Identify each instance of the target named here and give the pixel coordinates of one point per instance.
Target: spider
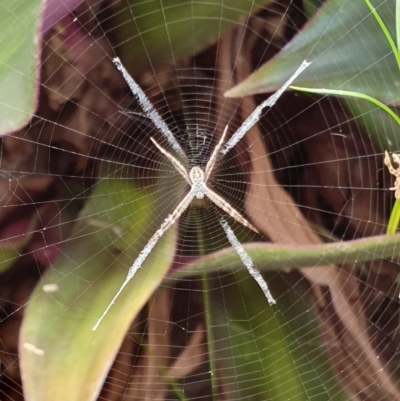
(394, 171)
(197, 179)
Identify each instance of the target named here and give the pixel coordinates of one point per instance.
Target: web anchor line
(197, 178)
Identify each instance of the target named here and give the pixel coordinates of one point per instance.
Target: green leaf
(268, 352)
(61, 357)
(155, 33)
(19, 62)
(348, 51)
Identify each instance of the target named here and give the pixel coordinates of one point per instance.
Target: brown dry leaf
(340, 168)
(192, 356)
(148, 383)
(152, 368)
(120, 373)
(83, 89)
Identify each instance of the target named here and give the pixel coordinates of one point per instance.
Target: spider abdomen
(196, 176)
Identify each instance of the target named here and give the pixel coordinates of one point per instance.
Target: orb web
(83, 189)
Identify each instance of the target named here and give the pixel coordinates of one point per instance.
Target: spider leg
(388, 164)
(148, 108)
(226, 207)
(137, 264)
(213, 158)
(175, 162)
(396, 158)
(247, 261)
(256, 114)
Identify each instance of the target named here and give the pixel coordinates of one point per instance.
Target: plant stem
(207, 314)
(385, 30)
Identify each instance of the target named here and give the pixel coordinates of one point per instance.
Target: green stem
(385, 31)
(394, 218)
(176, 388)
(397, 16)
(352, 94)
(207, 313)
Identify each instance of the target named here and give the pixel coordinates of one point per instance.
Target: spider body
(197, 180)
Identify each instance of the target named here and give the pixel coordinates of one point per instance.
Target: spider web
(83, 189)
